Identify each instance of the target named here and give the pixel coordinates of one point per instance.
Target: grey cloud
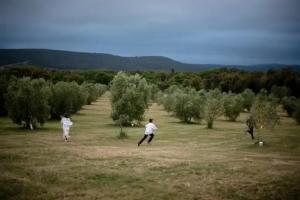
(198, 31)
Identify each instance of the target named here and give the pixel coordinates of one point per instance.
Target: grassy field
(185, 161)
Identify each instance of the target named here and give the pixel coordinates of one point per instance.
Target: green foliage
(296, 114)
(103, 77)
(263, 112)
(192, 80)
(281, 82)
(248, 98)
(67, 98)
(129, 97)
(213, 106)
(93, 92)
(154, 91)
(123, 119)
(168, 101)
(231, 81)
(3, 90)
(73, 76)
(168, 98)
(233, 106)
(28, 101)
(31, 71)
(289, 105)
(101, 88)
(280, 91)
(159, 97)
(188, 105)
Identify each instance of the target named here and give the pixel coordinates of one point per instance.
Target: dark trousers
(250, 131)
(145, 136)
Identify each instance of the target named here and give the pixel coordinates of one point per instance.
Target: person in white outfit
(66, 123)
(150, 128)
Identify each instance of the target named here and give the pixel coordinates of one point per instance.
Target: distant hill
(78, 60)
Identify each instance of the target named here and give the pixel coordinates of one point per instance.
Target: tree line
(31, 102)
(191, 96)
(131, 95)
(234, 80)
(190, 105)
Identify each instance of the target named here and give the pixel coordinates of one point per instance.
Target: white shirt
(150, 128)
(66, 122)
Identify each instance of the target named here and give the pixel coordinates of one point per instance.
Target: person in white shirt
(66, 123)
(150, 128)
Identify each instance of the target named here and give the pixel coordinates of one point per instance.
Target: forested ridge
(59, 59)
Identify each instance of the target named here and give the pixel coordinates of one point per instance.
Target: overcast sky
(193, 31)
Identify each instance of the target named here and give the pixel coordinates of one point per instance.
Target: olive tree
(264, 114)
(296, 114)
(188, 105)
(213, 106)
(248, 98)
(233, 106)
(4, 81)
(168, 99)
(160, 97)
(67, 98)
(289, 105)
(101, 88)
(93, 92)
(129, 97)
(27, 102)
(154, 91)
(280, 91)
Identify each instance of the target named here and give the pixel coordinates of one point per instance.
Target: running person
(150, 128)
(66, 124)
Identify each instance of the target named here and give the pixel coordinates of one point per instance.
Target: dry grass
(185, 161)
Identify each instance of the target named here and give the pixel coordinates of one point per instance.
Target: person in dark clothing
(250, 127)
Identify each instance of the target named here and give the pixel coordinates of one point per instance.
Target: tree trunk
(210, 124)
(258, 136)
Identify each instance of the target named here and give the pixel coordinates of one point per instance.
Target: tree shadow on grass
(80, 114)
(185, 123)
(115, 125)
(12, 188)
(21, 130)
(111, 125)
(228, 121)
